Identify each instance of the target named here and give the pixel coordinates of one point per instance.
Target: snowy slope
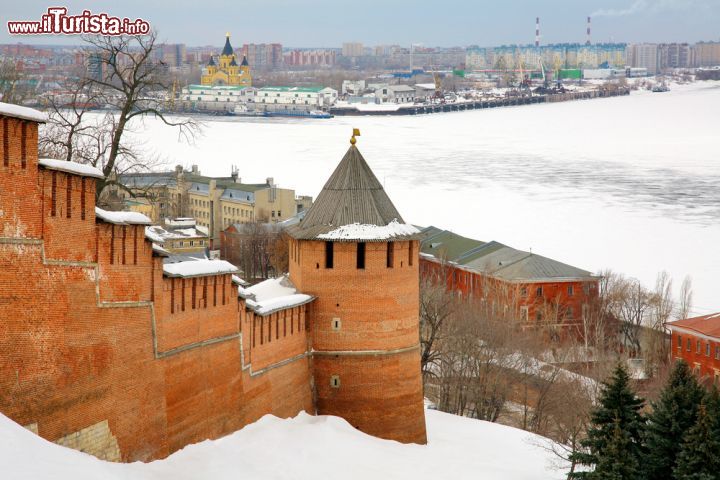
(304, 447)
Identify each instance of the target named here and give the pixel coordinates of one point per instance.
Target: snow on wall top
(122, 218)
(25, 113)
(358, 231)
(272, 295)
(71, 167)
(197, 268)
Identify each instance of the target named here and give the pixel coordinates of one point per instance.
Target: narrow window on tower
(23, 145)
(361, 255)
(328, 254)
(194, 286)
(390, 254)
(68, 197)
(6, 143)
(82, 199)
(182, 294)
(53, 195)
(172, 295)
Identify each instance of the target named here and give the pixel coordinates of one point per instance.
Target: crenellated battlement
(99, 335)
(108, 348)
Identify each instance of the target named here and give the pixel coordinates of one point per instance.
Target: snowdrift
(304, 447)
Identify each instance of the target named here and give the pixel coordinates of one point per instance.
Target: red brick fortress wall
(92, 333)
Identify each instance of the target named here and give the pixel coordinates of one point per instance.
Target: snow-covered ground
(628, 183)
(304, 447)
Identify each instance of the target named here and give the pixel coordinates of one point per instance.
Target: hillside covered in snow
(304, 447)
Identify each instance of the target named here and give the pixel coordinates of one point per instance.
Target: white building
(401, 94)
(215, 98)
(293, 98)
(602, 73)
(353, 87)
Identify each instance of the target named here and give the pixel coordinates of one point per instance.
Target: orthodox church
(227, 71)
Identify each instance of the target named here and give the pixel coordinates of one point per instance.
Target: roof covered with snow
(71, 167)
(355, 200)
(122, 218)
(159, 234)
(273, 295)
(25, 113)
(198, 268)
(357, 231)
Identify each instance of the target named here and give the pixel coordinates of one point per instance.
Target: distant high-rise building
(706, 54)
(643, 55)
(322, 58)
(96, 66)
(353, 49)
(171, 54)
(674, 55)
(263, 56)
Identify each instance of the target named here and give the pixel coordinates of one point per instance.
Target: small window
(538, 316)
(698, 346)
(717, 353)
(390, 254)
(569, 312)
(679, 342)
(524, 314)
(523, 292)
(570, 290)
(688, 344)
(336, 324)
(538, 292)
(361, 255)
(707, 349)
(329, 255)
(335, 381)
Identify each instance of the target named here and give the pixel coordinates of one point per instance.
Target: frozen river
(628, 183)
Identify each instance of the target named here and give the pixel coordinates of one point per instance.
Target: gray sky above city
(325, 23)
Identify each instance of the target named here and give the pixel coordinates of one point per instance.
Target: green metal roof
(292, 89)
(446, 245)
(215, 87)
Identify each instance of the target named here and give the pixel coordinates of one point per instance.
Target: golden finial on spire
(227, 34)
(356, 133)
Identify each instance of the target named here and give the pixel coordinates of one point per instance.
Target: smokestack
(537, 32)
(587, 42)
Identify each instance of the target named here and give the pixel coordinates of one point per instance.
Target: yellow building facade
(227, 71)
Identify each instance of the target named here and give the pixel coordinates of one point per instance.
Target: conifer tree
(613, 447)
(617, 463)
(674, 413)
(699, 457)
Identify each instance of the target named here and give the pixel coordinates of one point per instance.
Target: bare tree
(127, 79)
(686, 298)
(437, 304)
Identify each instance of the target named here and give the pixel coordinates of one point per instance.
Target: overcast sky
(325, 23)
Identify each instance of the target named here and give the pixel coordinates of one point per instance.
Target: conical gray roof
(351, 195)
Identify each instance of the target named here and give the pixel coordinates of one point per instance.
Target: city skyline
(400, 22)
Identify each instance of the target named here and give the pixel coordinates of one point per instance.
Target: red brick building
(697, 341)
(536, 289)
(108, 348)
